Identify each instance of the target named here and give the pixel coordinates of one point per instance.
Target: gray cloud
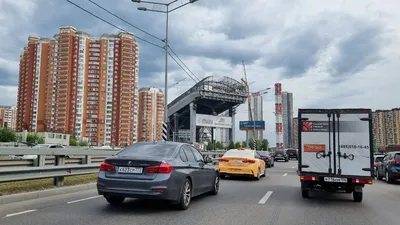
(358, 50)
(297, 52)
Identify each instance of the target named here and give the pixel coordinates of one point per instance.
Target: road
(274, 200)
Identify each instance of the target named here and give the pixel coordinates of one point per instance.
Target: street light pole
(167, 11)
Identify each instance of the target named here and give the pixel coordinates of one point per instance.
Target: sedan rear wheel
(186, 195)
(215, 189)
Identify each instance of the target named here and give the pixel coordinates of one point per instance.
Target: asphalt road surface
(274, 200)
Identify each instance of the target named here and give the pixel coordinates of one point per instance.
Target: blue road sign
(252, 125)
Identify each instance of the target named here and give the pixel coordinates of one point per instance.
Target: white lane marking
(265, 198)
(285, 174)
(84, 199)
(19, 213)
(292, 167)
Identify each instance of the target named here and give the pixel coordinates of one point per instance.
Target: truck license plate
(335, 179)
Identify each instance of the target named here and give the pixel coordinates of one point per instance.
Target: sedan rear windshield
(379, 159)
(263, 153)
(397, 156)
(279, 152)
(239, 153)
(159, 150)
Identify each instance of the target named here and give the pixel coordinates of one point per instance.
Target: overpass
(205, 101)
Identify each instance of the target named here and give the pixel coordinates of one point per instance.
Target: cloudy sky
(327, 53)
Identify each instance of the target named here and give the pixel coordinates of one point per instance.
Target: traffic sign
(252, 125)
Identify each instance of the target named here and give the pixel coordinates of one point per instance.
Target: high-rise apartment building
(386, 127)
(81, 85)
(257, 108)
(287, 117)
(8, 117)
(151, 114)
(295, 133)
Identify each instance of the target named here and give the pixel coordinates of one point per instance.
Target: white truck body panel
(347, 135)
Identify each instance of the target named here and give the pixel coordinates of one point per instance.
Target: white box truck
(335, 150)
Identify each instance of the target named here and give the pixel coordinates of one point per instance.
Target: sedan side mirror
(207, 159)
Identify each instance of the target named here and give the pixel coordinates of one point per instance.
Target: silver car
(157, 170)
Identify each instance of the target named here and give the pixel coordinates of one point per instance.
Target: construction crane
(248, 91)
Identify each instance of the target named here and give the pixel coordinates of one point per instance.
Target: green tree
(237, 145)
(83, 143)
(231, 145)
(7, 135)
(32, 138)
(219, 145)
(210, 146)
(73, 142)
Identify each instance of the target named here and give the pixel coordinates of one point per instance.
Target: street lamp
(166, 11)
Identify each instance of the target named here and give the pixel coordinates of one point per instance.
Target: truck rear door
(316, 141)
(335, 142)
(353, 134)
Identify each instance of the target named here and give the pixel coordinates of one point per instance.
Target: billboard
(252, 125)
(204, 120)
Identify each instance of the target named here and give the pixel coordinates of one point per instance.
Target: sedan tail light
(248, 161)
(162, 168)
(265, 157)
(106, 167)
(395, 161)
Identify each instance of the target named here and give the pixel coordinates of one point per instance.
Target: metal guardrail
(57, 163)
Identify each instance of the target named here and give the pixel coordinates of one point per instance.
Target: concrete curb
(44, 193)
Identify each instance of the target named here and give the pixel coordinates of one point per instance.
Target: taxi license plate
(335, 179)
(131, 170)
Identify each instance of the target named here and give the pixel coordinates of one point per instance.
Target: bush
(83, 143)
(31, 138)
(7, 135)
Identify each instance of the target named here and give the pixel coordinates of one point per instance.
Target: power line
(184, 64)
(182, 68)
(98, 17)
(111, 13)
(115, 15)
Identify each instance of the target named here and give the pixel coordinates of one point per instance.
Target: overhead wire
(115, 15)
(136, 27)
(111, 24)
(184, 64)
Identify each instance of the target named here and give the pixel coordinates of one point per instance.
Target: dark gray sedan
(157, 170)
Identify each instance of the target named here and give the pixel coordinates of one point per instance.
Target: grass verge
(42, 184)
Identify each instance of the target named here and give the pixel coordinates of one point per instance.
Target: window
(183, 155)
(189, 154)
(145, 149)
(197, 154)
(239, 153)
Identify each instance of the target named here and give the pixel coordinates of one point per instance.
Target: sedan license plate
(335, 179)
(132, 170)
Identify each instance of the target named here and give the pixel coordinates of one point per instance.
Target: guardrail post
(40, 161)
(59, 161)
(87, 159)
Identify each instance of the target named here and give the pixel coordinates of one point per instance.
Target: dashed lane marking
(285, 174)
(19, 213)
(84, 199)
(265, 198)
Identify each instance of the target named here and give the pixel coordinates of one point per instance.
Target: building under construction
(194, 114)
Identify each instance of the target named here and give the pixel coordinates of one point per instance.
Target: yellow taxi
(242, 162)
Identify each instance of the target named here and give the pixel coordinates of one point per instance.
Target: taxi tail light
(223, 160)
(248, 161)
(361, 181)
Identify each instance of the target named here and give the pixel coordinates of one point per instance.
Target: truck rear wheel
(357, 196)
(305, 193)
